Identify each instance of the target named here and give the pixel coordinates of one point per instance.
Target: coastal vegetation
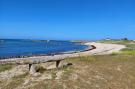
(118, 41)
(5, 67)
(130, 45)
(89, 72)
(112, 71)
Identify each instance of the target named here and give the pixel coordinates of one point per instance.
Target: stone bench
(32, 67)
(31, 63)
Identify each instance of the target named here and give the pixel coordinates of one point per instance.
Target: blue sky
(67, 19)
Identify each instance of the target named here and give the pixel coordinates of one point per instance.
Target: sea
(17, 48)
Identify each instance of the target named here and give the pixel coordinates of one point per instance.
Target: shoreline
(96, 49)
(90, 47)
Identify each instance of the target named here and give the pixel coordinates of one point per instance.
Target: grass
(130, 46)
(129, 50)
(5, 67)
(94, 72)
(90, 72)
(13, 82)
(115, 71)
(116, 41)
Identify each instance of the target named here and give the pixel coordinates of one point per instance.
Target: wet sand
(97, 49)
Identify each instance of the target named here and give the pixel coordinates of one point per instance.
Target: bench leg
(57, 63)
(32, 69)
(30, 66)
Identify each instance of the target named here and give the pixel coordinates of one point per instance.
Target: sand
(101, 49)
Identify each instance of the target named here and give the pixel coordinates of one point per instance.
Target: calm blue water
(15, 48)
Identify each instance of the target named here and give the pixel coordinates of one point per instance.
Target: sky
(67, 19)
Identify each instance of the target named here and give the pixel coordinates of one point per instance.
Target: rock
(26, 82)
(32, 69)
(59, 74)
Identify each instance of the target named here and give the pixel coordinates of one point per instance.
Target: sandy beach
(100, 49)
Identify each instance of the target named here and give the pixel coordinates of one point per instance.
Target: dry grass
(5, 67)
(91, 72)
